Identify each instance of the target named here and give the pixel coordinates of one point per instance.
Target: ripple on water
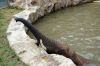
(88, 41)
(82, 29)
(97, 37)
(71, 36)
(89, 55)
(89, 65)
(56, 28)
(90, 47)
(76, 38)
(63, 38)
(98, 47)
(98, 58)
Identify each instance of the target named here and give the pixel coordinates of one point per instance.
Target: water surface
(78, 26)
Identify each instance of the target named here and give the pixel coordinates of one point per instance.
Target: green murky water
(78, 26)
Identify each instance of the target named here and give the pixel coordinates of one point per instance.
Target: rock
(25, 3)
(75, 2)
(48, 4)
(62, 60)
(84, 1)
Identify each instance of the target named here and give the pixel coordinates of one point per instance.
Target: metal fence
(4, 3)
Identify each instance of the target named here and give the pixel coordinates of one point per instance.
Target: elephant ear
(41, 45)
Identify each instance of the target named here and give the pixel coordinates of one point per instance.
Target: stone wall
(57, 4)
(23, 45)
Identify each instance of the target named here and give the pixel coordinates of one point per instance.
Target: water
(3, 3)
(78, 26)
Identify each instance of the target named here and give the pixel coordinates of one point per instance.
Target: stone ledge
(24, 46)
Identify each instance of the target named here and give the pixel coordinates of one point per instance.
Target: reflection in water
(79, 26)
